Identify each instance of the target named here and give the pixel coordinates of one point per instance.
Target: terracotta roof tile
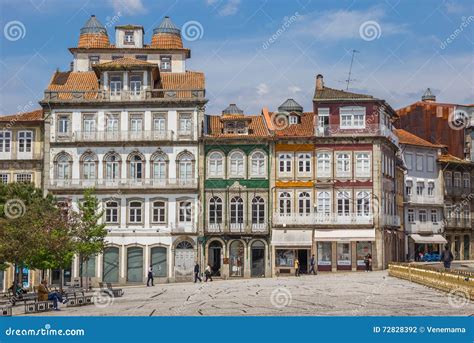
(125, 62)
(257, 127)
(93, 40)
(74, 81)
(334, 94)
(448, 158)
(166, 41)
(188, 81)
(36, 115)
(406, 137)
(282, 128)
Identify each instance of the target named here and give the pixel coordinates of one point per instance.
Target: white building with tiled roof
(126, 120)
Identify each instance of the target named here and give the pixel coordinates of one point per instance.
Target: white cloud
(344, 24)
(224, 7)
(132, 7)
(294, 89)
(262, 89)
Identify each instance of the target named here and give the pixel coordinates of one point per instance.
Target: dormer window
(128, 38)
(115, 85)
(165, 63)
(293, 119)
(93, 60)
(116, 57)
(141, 57)
(236, 127)
(135, 84)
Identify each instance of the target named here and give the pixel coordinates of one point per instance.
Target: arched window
(159, 212)
(324, 203)
(137, 164)
(215, 210)
(159, 165)
(112, 162)
(363, 203)
(63, 163)
(343, 166)
(323, 164)
(258, 210)
(111, 212)
(89, 166)
(258, 164)
(304, 203)
(343, 203)
(184, 245)
(185, 163)
(216, 164)
(304, 163)
(236, 210)
(185, 212)
(285, 203)
(135, 212)
(237, 166)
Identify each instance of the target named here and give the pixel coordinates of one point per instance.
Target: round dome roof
(290, 105)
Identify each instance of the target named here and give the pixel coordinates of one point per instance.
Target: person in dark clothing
(447, 257)
(150, 277)
(196, 273)
(368, 262)
(311, 263)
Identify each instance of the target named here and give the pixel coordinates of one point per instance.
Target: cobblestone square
(330, 294)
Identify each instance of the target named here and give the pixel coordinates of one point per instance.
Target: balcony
(459, 223)
(424, 227)
(425, 199)
(388, 220)
(236, 228)
(183, 228)
(122, 183)
(126, 136)
(334, 130)
(322, 219)
(103, 95)
(457, 191)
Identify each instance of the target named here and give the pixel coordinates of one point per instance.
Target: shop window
(285, 258)
(237, 258)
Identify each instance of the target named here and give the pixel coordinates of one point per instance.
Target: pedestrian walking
(208, 273)
(297, 267)
(196, 273)
(150, 277)
(311, 264)
(447, 257)
(368, 262)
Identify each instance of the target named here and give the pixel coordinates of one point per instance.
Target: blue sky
(259, 53)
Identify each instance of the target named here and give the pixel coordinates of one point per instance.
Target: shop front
(423, 247)
(237, 258)
(343, 250)
(289, 245)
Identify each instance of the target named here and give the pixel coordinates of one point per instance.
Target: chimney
(71, 66)
(319, 82)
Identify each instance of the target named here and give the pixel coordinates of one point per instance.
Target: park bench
(78, 299)
(116, 292)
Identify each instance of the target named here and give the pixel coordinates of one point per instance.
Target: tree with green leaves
(90, 234)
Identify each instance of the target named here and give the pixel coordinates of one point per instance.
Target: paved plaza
(330, 294)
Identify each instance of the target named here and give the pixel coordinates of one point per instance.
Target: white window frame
(285, 164)
(236, 164)
(324, 163)
(324, 203)
(363, 164)
(343, 203)
(285, 203)
(215, 165)
(341, 166)
(5, 141)
(304, 203)
(258, 164)
(135, 214)
(158, 211)
(352, 117)
(304, 162)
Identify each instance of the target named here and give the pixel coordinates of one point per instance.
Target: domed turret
(428, 96)
(93, 35)
(290, 105)
(232, 109)
(167, 36)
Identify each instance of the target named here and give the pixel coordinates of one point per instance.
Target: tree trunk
(87, 274)
(15, 279)
(61, 279)
(80, 269)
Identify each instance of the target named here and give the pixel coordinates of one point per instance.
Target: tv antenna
(350, 69)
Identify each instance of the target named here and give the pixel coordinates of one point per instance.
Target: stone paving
(330, 294)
